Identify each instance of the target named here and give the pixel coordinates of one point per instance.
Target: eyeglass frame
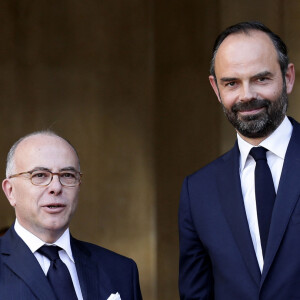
(52, 174)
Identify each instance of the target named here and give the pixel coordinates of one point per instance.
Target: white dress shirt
(34, 243)
(277, 144)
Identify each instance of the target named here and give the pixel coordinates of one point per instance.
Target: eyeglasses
(68, 178)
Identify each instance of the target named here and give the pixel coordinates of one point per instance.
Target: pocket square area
(114, 297)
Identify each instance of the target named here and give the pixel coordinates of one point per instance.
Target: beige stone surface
(84, 70)
(127, 83)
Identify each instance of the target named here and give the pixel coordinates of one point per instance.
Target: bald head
(10, 161)
(43, 209)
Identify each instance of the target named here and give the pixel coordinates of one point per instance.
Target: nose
(247, 92)
(55, 187)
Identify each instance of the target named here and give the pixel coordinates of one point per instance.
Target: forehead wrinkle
(40, 169)
(263, 74)
(68, 169)
(224, 79)
(260, 74)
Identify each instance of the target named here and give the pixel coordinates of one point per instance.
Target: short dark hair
(246, 27)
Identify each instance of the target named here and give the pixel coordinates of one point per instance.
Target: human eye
(262, 79)
(40, 174)
(230, 83)
(69, 178)
(68, 175)
(39, 177)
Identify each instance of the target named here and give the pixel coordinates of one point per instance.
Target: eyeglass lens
(67, 178)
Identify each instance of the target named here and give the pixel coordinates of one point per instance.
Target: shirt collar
(34, 243)
(277, 142)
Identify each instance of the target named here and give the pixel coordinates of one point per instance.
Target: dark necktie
(58, 274)
(264, 192)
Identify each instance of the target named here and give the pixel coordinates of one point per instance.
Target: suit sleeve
(195, 271)
(136, 284)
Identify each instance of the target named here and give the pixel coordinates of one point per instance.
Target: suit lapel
(95, 280)
(233, 207)
(286, 199)
(20, 260)
(86, 270)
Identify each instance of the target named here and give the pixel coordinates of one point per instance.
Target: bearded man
(239, 216)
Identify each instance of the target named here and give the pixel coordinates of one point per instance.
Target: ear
(290, 78)
(8, 191)
(214, 85)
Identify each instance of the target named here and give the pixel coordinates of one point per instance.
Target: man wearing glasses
(38, 257)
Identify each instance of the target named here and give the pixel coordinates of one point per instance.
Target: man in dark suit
(42, 184)
(235, 244)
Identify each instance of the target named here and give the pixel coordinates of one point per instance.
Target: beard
(263, 123)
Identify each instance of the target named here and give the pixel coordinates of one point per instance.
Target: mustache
(250, 105)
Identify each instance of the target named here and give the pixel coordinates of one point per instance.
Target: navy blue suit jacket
(100, 272)
(217, 258)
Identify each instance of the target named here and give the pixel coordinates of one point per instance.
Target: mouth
(252, 111)
(251, 107)
(54, 207)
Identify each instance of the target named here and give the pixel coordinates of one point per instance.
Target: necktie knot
(51, 252)
(58, 274)
(258, 153)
